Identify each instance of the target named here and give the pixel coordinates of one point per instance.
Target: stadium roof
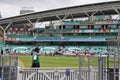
(104, 8)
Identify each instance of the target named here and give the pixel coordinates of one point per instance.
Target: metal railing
(56, 74)
(8, 67)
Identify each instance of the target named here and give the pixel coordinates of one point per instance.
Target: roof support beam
(116, 10)
(1, 27)
(71, 16)
(91, 15)
(94, 13)
(87, 14)
(8, 26)
(37, 21)
(62, 19)
(33, 24)
(30, 21)
(102, 12)
(5, 29)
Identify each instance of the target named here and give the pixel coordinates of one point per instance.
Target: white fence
(57, 74)
(8, 67)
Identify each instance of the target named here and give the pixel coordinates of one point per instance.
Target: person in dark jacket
(1, 51)
(37, 50)
(35, 58)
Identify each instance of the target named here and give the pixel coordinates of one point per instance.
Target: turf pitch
(57, 61)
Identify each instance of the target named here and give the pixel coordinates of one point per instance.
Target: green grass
(52, 61)
(59, 61)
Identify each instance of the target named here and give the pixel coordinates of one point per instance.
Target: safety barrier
(8, 67)
(56, 74)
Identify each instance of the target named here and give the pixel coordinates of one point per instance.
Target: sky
(9, 8)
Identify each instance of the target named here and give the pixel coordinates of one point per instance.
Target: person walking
(35, 59)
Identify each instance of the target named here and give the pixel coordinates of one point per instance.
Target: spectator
(1, 51)
(15, 51)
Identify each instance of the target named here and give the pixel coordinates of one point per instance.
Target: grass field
(57, 61)
(51, 61)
